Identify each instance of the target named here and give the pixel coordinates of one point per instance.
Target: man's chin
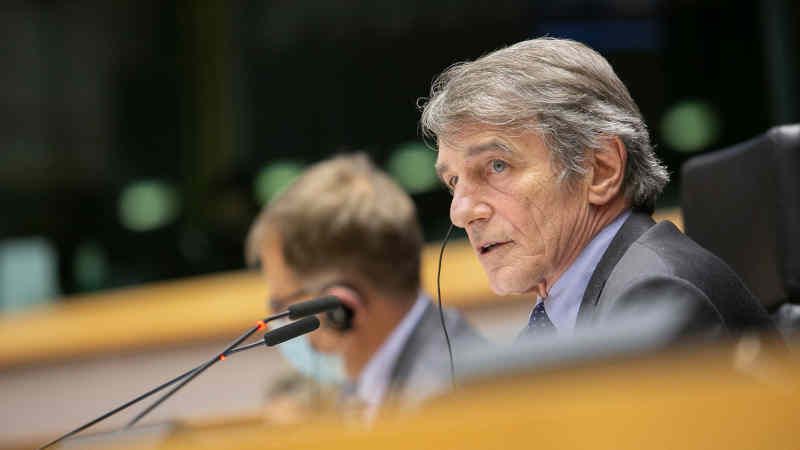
(503, 287)
(512, 286)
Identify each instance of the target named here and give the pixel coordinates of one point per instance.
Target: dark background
(201, 97)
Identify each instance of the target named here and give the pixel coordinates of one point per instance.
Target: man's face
(286, 289)
(507, 196)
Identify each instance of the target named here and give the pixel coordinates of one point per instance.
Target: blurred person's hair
(344, 216)
(561, 89)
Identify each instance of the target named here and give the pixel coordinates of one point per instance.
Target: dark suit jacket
(423, 367)
(649, 262)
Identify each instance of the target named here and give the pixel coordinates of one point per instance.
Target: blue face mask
(321, 367)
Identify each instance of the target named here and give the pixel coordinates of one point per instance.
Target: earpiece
(341, 318)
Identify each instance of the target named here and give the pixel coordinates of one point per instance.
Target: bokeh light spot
(147, 205)
(412, 165)
(274, 178)
(90, 266)
(690, 126)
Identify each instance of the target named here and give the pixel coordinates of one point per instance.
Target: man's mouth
(490, 246)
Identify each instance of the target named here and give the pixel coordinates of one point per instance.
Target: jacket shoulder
(667, 265)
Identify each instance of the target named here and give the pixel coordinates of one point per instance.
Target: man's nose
(467, 206)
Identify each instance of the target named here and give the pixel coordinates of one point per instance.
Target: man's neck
(597, 218)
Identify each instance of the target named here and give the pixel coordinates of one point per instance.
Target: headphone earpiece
(341, 318)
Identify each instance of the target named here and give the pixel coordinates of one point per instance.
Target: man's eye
(498, 165)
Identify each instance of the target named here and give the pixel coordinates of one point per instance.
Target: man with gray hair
(554, 179)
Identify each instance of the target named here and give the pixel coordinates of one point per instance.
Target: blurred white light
(273, 178)
(690, 126)
(147, 205)
(412, 165)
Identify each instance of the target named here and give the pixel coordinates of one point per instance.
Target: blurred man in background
(344, 228)
(554, 179)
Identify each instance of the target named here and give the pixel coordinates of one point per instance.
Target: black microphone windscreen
(290, 331)
(315, 306)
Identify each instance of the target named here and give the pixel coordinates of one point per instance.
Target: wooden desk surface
(206, 307)
(725, 397)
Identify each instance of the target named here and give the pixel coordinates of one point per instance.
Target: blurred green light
(90, 266)
(412, 165)
(147, 205)
(690, 126)
(273, 178)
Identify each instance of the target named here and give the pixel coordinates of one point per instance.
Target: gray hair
(561, 89)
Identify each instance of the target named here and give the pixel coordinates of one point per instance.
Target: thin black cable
(441, 312)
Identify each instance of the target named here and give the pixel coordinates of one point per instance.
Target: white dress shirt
(564, 298)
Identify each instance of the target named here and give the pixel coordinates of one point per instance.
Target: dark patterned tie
(539, 323)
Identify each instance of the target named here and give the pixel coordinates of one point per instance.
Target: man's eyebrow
(494, 144)
(476, 150)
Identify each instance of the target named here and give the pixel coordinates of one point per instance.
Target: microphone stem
(165, 385)
(244, 347)
(119, 408)
(198, 371)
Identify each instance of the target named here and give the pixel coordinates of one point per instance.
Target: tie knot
(539, 320)
(538, 324)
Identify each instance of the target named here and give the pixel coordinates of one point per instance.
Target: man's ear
(607, 171)
(351, 300)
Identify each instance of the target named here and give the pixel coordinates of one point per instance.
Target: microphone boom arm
(259, 325)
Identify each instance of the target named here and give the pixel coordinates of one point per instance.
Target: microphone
(291, 331)
(315, 306)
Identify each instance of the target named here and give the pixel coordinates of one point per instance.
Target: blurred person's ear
(353, 313)
(331, 339)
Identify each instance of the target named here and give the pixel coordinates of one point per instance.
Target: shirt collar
(374, 378)
(564, 298)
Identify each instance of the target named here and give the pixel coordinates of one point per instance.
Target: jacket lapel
(635, 226)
